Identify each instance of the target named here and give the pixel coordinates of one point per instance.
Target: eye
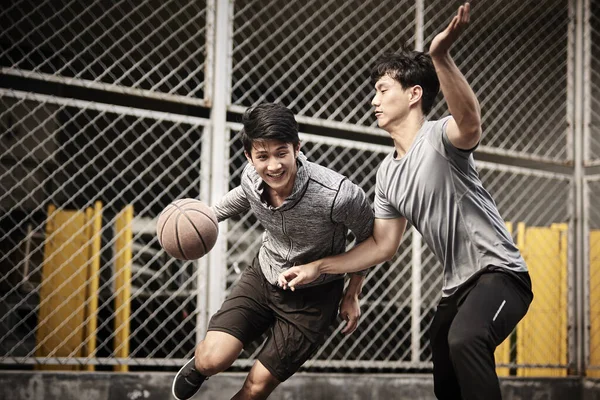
(283, 154)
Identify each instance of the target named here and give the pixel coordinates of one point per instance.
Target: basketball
(187, 229)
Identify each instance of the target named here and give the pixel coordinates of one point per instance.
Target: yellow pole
(123, 251)
(95, 225)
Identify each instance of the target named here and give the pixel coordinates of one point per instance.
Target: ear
(415, 94)
(248, 157)
(297, 149)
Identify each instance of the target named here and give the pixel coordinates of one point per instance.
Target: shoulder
(435, 135)
(384, 166)
(324, 177)
(436, 127)
(249, 176)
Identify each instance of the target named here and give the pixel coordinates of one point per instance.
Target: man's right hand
(299, 275)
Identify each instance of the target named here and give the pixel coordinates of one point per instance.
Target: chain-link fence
(593, 97)
(61, 268)
(593, 263)
(109, 112)
(149, 46)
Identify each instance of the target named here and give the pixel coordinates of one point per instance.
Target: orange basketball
(187, 229)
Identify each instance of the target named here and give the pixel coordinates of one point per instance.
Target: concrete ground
(34, 385)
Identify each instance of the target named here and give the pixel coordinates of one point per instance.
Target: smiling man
(306, 211)
(430, 180)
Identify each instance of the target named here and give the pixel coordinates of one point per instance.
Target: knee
(209, 361)
(258, 388)
(461, 342)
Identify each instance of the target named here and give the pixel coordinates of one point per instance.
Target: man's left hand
(441, 44)
(350, 312)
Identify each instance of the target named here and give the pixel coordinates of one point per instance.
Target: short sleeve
(440, 131)
(382, 206)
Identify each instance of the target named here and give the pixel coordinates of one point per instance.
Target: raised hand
(443, 41)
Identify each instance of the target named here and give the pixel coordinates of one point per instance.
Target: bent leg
(445, 382)
(303, 318)
(216, 352)
(243, 317)
(258, 385)
(487, 316)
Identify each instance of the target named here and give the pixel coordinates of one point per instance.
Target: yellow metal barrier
(542, 334)
(123, 255)
(594, 303)
(65, 317)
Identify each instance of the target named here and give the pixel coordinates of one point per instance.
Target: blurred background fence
(111, 110)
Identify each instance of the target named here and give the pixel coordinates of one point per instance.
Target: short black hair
(410, 68)
(269, 121)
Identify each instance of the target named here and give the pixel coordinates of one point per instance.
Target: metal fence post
(219, 178)
(578, 319)
(416, 296)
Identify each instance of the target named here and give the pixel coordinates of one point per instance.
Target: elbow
(471, 127)
(387, 254)
(383, 251)
(471, 136)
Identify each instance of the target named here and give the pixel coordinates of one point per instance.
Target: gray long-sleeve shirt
(312, 223)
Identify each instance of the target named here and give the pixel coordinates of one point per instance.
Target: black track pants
(467, 328)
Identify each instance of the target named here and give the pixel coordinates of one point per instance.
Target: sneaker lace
(196, 377)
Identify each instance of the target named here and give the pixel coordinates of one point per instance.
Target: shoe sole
(175, 379)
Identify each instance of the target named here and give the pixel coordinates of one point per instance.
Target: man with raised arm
(430, 180)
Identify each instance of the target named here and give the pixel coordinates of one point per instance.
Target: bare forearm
(462, 101)
(355, 286)
(362, 256)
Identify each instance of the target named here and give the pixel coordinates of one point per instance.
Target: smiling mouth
(279, 175)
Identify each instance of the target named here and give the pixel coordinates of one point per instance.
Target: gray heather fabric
(436, 187)
(312, 223)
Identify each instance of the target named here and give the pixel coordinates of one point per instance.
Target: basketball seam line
(177, 235)
(207, 216)
(165, 224)
(195, 229)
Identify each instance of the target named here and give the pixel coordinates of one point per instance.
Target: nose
(375, 102)
(274, 165)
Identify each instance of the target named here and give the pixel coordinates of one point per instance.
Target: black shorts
(297, 321)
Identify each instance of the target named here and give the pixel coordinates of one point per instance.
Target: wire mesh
(593, 257)
(149, 45)
(514, 55)
(58, 159)
(315, 56)
(594, 82)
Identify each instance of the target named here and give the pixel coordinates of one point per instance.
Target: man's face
(275, 163)
(391, 102)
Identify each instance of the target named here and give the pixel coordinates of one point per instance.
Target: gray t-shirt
(436, 187)
(312, 223)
